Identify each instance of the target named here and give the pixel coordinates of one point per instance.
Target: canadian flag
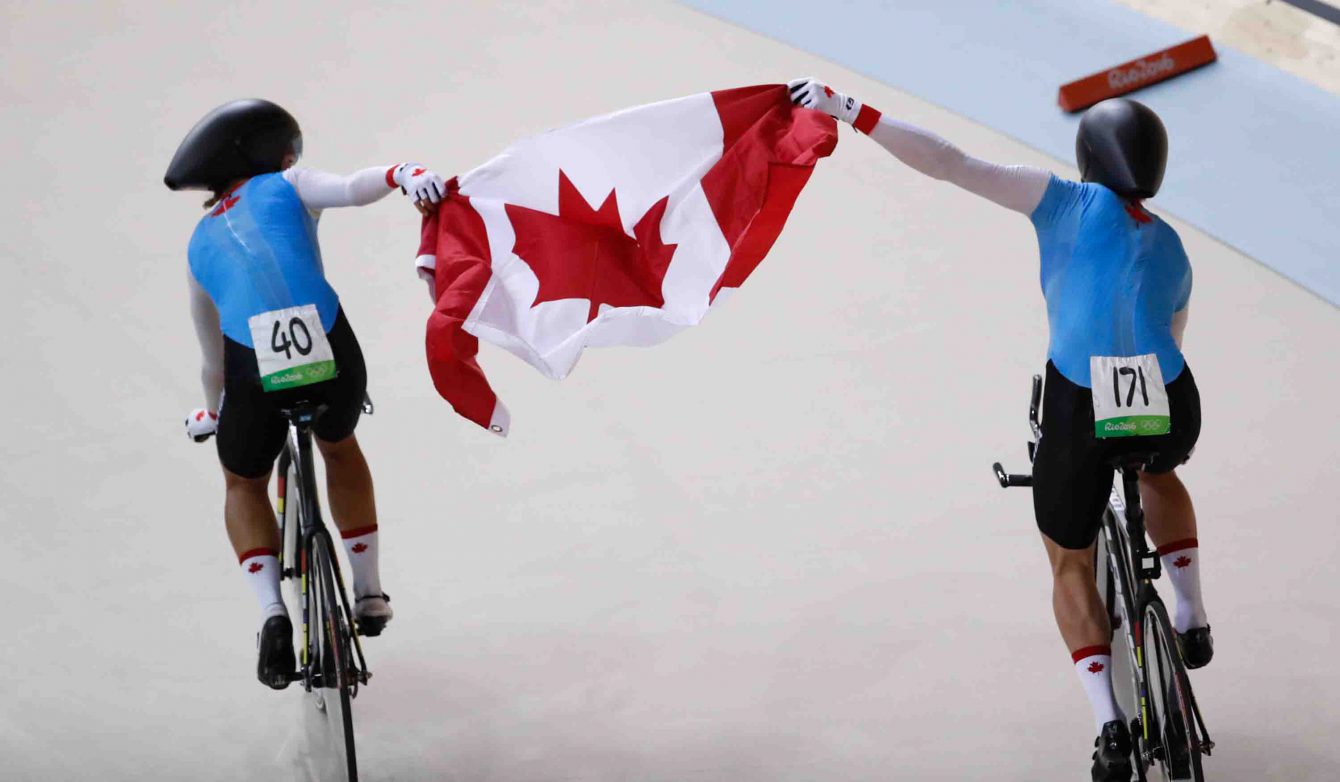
(620, 230)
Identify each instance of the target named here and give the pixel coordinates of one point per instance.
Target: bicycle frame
(1132, 567)
(310, 527)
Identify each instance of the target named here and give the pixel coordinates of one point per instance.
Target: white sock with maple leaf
(260, 566)
(1181, 561)
(361, 546)
(1094, 666)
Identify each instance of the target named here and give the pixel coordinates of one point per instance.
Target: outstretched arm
(320, 190)
(1019, 188)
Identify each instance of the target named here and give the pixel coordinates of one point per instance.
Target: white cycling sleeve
(322, 190)
(205, 316)
(1179, 325)
(1019, 188)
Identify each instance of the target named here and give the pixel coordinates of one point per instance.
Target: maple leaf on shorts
(583, 252)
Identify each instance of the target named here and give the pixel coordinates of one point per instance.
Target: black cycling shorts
(1072, 473)
(252, 431)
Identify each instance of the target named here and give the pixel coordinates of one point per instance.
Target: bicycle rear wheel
(335, 654)
(1178, 751)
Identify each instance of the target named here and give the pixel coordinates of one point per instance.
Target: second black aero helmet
(237, 140)
(1122, 144)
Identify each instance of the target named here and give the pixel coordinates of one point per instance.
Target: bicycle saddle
(1132, 460)
(303, 411)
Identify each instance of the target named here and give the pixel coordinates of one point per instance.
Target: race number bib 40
(291, 348)
(1129, 399)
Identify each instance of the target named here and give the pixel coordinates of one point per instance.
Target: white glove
(810, 93)
(201, 424)
(419, 182)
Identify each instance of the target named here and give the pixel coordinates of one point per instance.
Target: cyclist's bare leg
(247, 513)
(1169, 515)
(1171, 521)
(1079, 610)
(255, 537)
(348, 484)
(1084, 626)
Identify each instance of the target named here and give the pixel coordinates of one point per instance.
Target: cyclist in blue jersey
(1117, 284)
(272, 331)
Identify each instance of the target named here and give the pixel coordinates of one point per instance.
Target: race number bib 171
(1129, 399)
(291, 348)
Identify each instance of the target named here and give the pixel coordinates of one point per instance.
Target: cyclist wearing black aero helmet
(272, 332)
(1117, 283)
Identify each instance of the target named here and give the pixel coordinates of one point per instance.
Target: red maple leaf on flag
(1095, 667)
(1182, 561)
(583, 253)
(255, 567)
(359, 548)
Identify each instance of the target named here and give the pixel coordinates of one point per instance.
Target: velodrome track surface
(770, 549)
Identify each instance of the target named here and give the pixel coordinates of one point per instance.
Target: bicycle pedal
(369, 628)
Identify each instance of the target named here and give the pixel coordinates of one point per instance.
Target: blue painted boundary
(1253, 160)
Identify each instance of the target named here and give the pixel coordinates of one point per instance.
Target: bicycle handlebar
(1034, 401)
(1008, 480)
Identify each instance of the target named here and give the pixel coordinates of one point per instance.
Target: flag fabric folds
(620, 230)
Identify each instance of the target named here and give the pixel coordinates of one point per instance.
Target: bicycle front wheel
(1177, 753)
(335, 658)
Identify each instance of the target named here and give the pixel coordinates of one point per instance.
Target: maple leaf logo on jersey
(583, 253)
(359, 548)
(1138, 213)
(255, 567)
(225, 205)
(1181, 561)
(1095, 667)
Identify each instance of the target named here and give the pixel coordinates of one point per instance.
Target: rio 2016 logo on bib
(1129, 398)
(291, 348)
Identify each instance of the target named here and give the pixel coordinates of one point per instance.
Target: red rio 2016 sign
(1130, 76)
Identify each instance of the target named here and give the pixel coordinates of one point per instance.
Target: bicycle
(331, 666)
(1178, 738)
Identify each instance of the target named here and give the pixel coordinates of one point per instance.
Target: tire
(1178, 751)
(335, 649)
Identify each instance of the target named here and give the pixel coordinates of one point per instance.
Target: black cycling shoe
(371, 613)
(1197, 647)
(1112, 758)
(275, 666)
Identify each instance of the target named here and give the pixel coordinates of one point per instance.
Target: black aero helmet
(237, 140)
(1122, 144)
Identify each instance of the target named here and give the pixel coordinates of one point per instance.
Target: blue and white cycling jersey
(1113, 276)
(256, 252)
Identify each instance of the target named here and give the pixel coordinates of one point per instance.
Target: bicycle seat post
(1146, 561)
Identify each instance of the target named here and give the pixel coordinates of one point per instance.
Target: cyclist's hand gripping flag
(620, 230)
